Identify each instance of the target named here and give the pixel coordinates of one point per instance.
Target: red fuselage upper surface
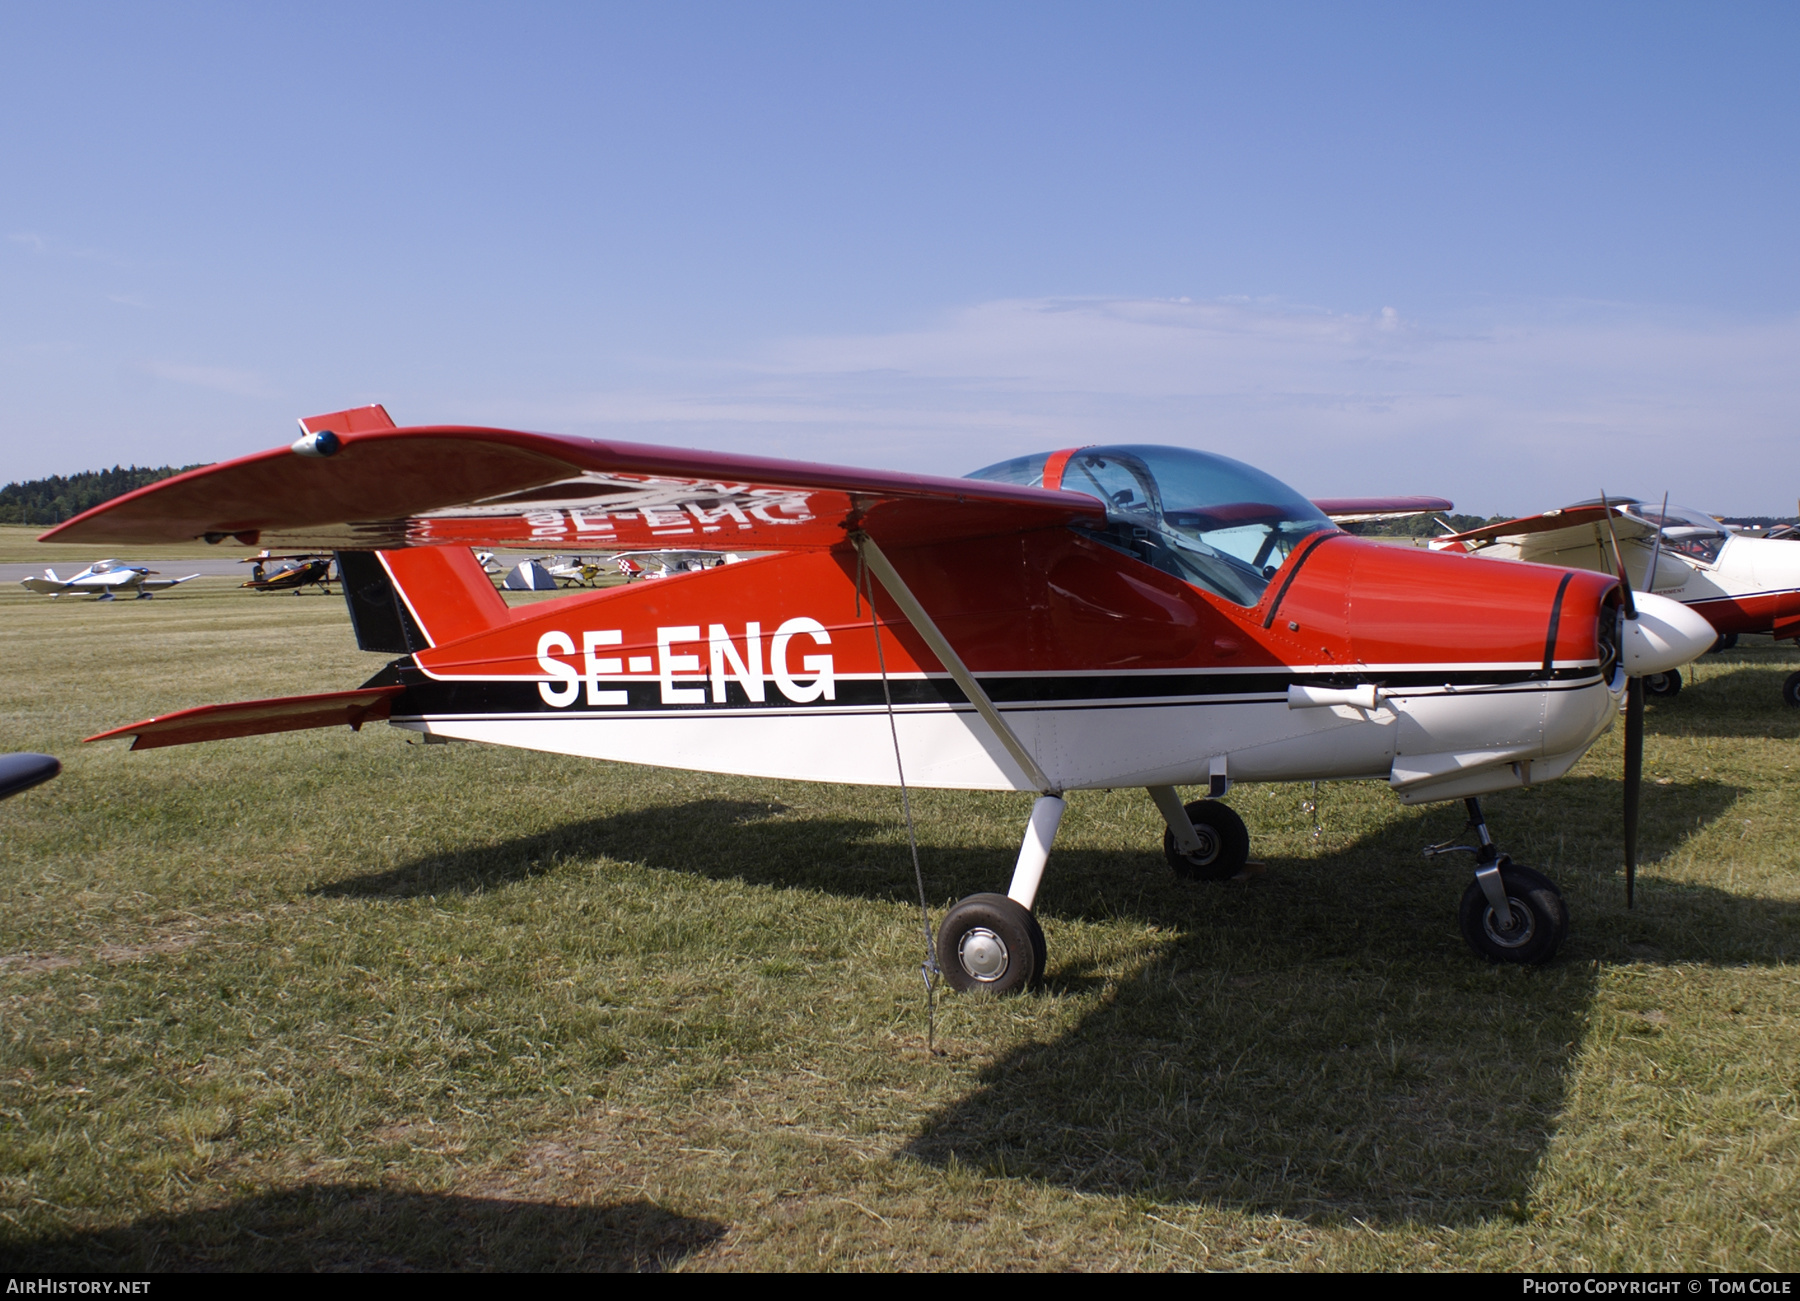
(1053, 601)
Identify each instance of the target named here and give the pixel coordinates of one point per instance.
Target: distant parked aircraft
(293, 573)
(104, 578)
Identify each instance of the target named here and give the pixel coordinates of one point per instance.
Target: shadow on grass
(1319, 1042)
(361, 1227)
(1316, 1041)
(649, 835)
(1728, 700)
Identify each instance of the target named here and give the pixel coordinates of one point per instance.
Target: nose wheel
(1536, 921)
(1509, 913)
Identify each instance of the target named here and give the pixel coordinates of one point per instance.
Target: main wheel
(1790, 690)
(989, 944)
(1224, 843)
(1727, 641)
(1663, 685)
(1539, 916)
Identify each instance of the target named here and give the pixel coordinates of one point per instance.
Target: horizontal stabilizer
(255, 717)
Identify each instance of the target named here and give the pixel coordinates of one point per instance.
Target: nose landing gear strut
(1509, 913)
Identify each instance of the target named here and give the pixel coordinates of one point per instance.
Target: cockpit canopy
(1207, 519)
(1685, 531)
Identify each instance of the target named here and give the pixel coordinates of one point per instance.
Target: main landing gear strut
(992, 943)
(1509, 913)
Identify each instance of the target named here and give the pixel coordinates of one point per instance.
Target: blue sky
(1513, 254)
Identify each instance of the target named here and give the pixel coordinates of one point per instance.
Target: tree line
(1422, 526)
(62, 497)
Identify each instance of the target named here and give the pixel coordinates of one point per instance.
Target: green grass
(331, 1000)
(19, 545)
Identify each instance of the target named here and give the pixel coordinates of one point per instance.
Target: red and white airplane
(1738, 582)
(1084, 619)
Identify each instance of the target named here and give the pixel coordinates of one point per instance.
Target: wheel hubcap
(1209, 846)
(982, 954)
(1523, 928)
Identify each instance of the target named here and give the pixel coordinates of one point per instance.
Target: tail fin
(406, 601)
(354, 421)
(51, 575)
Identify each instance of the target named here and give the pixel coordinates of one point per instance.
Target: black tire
(1790, 690)
(990, 945)
(1224, 843)
(1727, 641)
(1663, 686)
(1540, 918)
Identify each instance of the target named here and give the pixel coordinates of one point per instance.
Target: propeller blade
(1634, 779)
(1619, 561)
(1662, 521)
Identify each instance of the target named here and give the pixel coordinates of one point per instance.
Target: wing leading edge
(384, 489)
(1364, 510)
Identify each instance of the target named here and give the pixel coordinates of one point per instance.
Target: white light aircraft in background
(104, 578)
(1739, 582)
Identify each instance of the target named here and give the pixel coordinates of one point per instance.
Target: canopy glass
(1209, 520)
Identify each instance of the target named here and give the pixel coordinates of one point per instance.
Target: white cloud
(1532, 407)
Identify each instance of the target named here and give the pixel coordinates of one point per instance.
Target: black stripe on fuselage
(1555, 621)
(429, 697)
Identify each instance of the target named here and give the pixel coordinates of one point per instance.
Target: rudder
(410, 600)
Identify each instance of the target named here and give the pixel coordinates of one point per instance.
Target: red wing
(382, 489)
(1359, 510)
(255, 717)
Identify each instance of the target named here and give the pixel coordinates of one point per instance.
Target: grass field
(331, 1000)
(19, 545)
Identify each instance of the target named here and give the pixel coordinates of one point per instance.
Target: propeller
(1662, 522)
(1634, 720)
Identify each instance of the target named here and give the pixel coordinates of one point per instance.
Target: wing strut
(940, 646)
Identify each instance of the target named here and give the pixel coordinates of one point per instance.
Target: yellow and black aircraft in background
(295, 572)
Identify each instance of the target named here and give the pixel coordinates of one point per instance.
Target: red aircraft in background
(1083, 619)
